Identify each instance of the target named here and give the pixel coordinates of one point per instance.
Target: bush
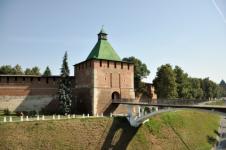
(32, 113)
(6, 112)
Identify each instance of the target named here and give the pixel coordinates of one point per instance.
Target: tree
(140, 72)
(6, 69)
(47, 72)
(211, 89)
(165, 82)
(223, 84)
(196, 88)
(28, 71)
(222, 88)
(64, 91)
(35, 71)
(183, 84)
(17, 70)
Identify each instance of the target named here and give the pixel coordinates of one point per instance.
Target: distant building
(150, 96)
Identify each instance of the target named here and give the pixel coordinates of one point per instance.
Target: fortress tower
(102, 77)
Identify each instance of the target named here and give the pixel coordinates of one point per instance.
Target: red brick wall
(84, 87)
(96, 80)
(24, 87)
(109, 77)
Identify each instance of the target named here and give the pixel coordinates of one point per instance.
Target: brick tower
(101, 78)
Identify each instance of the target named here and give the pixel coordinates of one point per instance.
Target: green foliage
(28, 71)
(33, 71)
(196, 88)
(222, 88)
(6, 112)
(186, 87)
(6, 69)
(211, 90)
(165, 82)
(140, 72)
(47, 72)
(18, 70)
(64, 91)
(183, 84)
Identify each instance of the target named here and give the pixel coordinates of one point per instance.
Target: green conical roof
(103, 49)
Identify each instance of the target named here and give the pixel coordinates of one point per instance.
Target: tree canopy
(165, 82)
(47, 72)
(140, 72)
(9, 70)
(183, 83)
(17, 70)
(222, 88)
(186, 87)
(33, 71)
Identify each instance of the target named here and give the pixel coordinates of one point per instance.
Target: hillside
(174, 130)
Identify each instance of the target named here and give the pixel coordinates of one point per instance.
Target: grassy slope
(174, 130)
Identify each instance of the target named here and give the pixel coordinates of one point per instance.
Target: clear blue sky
(188, 33)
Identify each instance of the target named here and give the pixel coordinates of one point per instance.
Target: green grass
(174, 130)
(185, 129)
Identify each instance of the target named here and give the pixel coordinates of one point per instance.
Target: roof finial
(102, 35)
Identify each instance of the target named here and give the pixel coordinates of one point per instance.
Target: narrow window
(23, 78)
(78, 67)
(115, 64)
(100, 63)
(108, 63)
(111, 80)
(47, 80)
(128, 66)
(119, 77)
(7, 79)
(121, 65)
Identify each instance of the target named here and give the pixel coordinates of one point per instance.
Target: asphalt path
(222, 132)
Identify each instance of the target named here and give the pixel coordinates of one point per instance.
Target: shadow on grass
(216, 132)
(211, 140)
(119, 135)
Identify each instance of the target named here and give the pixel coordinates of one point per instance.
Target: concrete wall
(25, 103)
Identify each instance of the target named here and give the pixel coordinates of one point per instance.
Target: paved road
(222, 131)
(222, 139)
